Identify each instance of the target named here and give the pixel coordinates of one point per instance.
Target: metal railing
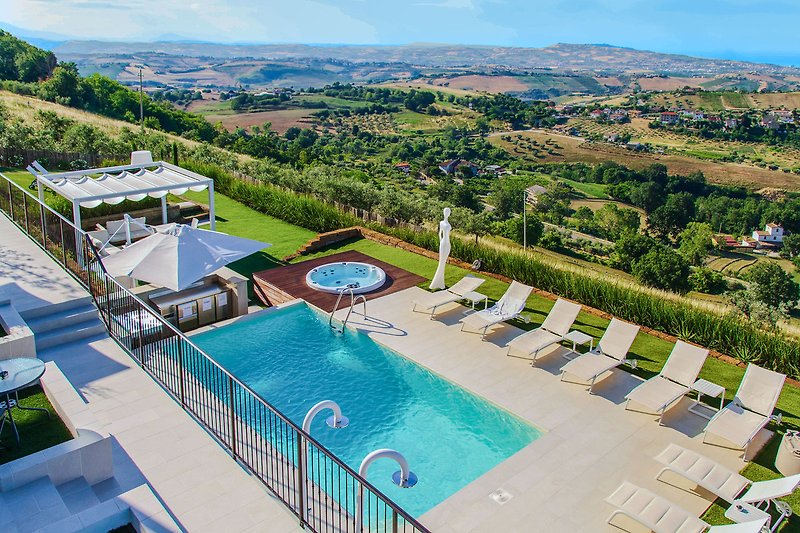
(322, 491)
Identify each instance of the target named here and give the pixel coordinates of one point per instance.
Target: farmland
(577, 149)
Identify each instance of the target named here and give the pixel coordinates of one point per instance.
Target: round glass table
(16, 374)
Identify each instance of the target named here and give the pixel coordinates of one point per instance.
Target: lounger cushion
(590, 365)
(703, 471)
(655, 512)
(760, 389)
(657, 393)
(561, 317)
(736, 425)
(533, 341)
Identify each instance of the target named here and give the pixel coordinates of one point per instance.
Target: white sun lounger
(663, 516)
(725, 483)
(430, 301)
(675, 379)
(750, 410)
(509, 306)
(555, 326)
(611, 352)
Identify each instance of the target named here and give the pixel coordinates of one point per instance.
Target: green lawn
(36, 431)
(591, 190)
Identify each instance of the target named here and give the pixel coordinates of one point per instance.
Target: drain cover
(500, 496)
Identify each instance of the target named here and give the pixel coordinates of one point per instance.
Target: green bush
(707, 280)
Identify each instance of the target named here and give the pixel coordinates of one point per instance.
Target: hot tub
(336, 277)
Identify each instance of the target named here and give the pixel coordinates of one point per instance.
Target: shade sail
(134, 184)
(179, 255)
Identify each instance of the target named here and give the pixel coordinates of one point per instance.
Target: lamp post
(336, 421)
(403, 478)
(525, 218)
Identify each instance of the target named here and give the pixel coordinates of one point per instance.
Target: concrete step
(38, 312)
(70, 333)
(63, 318)
(31, 507)
(78, 495)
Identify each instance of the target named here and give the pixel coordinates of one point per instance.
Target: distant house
(785, 116)
(772, 234)
(450, 167)
(612, 138)
(722, 240)
(713, 118)
(636, 147)
(497, 170)
(534, 191)
(669, 117)
(403, 167)
(731, 123)
(618, 116)
(770, 122)
(597, 113)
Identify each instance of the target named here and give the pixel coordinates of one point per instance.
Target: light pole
(525, 219)
(141, 100)
(335, 421)
(404, 478)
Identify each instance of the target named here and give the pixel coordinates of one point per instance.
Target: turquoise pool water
(449, 436)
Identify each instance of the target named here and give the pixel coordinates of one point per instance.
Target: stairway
(65, 322)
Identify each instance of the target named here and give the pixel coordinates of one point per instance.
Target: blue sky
(762, 30)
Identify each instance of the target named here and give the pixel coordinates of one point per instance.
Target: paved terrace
(591, 444)
(155, 441)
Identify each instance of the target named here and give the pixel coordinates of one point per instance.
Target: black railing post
(181, 373)
(301, 480)
(10, 201)
(44, 228)
(232, 410)
(394, 521)
(108, 305)
(87, 264)
(63, 244)
(139, 331)
(25, 214)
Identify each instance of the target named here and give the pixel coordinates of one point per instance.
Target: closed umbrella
(178, 255)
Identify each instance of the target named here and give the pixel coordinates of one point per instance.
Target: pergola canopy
(112, 185)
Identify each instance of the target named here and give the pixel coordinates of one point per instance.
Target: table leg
(30, 408)
(7, 414)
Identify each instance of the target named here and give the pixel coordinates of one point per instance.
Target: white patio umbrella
(178, 255)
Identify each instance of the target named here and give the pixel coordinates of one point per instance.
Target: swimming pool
(449, 436)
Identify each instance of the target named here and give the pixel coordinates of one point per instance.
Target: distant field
(576, 149)
(669, 84)
(281, 120)
(591, 190)
(729, 100)
(490, 84)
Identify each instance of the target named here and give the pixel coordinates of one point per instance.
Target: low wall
(19, 341)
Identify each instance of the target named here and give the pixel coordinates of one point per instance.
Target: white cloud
(232, 21)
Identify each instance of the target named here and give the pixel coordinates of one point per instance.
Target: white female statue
(444, 251)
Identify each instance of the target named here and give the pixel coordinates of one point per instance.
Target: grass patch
(36, 431)
(590, 190)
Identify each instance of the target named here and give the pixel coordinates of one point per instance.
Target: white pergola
(111, 185)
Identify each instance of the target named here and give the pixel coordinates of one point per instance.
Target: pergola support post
(211, 219)
(164, 209)
(76, 219)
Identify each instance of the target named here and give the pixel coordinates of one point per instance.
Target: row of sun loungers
(738, 422)
(661, 515)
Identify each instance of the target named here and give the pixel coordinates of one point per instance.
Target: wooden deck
(282, 284)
